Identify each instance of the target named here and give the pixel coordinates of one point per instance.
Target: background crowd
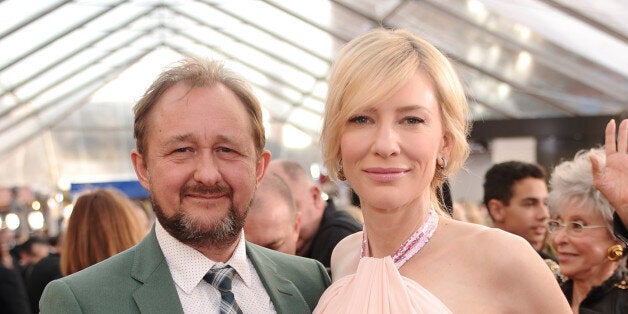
(563, 231)
(561, 215)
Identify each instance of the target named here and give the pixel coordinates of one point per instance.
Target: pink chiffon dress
(377, 287)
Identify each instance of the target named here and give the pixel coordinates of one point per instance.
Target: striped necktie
(221, 277)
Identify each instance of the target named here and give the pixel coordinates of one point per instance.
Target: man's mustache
(206, 190)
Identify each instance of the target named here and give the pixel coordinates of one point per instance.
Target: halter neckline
(412, 245)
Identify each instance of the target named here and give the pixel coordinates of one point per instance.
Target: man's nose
(207, 170)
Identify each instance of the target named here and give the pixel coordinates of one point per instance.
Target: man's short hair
(293, 170)
(197, 72)
(27, 246)
(500, 178)
(274, 184)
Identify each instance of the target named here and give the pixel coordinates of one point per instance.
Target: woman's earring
(341, 171)
(440, 172)
(615, 252)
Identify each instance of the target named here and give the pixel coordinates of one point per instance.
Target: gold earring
(444, 165)
(440, 171)
(615, 252)
(341, 171)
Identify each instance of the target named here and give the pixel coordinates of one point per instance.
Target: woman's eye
(577, 226)
(359, 119)
(414, 120)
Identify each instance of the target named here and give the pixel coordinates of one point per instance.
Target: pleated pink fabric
(378, 288)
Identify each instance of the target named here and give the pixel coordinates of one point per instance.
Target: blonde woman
(395, 127)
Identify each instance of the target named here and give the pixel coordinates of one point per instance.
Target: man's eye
(225, 149)
(182, 150)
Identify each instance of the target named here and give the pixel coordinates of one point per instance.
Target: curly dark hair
(500, 178)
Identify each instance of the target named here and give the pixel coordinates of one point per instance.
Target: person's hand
(612, 180)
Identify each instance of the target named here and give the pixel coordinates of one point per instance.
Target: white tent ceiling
(70, 71)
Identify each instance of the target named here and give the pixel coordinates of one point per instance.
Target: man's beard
(185, 229)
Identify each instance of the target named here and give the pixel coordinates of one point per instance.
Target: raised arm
(612, 180)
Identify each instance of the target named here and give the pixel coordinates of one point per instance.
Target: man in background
(13, 296)
(33, 250)
(322, 225)
(273, 220)
(45, 271)
(515, 195)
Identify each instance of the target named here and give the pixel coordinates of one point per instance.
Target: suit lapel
(282, 292)
(158, 293)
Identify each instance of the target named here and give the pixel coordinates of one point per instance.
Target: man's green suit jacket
(138, 280)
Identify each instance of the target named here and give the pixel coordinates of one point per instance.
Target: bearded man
(200, 153)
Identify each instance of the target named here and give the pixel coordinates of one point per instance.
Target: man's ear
(297, 223)
(497, 210)
(316, 195)
(262, 165)
(141, 171)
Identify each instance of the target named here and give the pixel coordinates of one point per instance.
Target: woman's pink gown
(377, 287)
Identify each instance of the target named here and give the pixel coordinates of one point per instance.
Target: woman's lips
(385, 174)
(565, 257)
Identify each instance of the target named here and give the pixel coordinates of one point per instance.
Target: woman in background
(581, 232)
(395, 127)
(103, 223)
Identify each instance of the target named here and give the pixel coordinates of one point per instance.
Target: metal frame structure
(518, 59)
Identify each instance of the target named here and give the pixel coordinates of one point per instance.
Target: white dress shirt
(188, 266)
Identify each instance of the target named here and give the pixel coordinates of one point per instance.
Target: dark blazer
(335, 225)
(13, 297)
(611, 297)
(138, 280)
(45, 271)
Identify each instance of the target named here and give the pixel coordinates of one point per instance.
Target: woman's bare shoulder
(492, 259)
(475, 236)
(492, 249)
(346, 255)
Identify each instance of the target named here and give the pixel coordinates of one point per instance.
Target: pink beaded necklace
(413, 244)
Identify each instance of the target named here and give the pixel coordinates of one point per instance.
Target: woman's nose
(559, 235)
(386, 141)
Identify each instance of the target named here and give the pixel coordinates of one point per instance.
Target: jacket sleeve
(58, 298)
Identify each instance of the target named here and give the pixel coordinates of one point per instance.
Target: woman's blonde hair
(372, 67)
(101, 225)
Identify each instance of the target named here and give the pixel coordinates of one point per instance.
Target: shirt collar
(188, 266)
